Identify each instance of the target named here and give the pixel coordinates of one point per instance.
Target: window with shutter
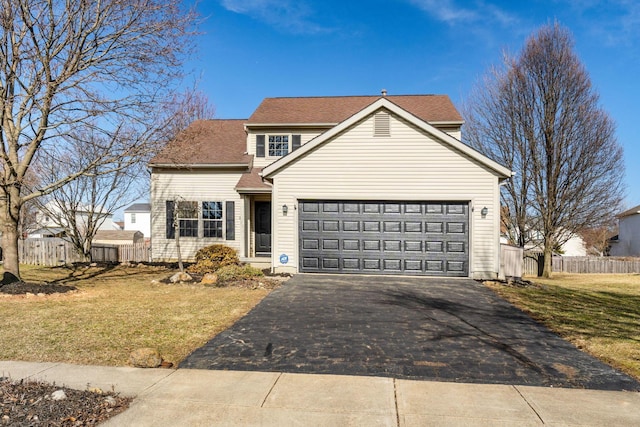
(295, 142)
(260, 146)
(170, 229)
(231, 226)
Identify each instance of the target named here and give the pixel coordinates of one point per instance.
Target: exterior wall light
(484, 212)
(285, 210)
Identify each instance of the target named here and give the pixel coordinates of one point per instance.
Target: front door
(263, 228)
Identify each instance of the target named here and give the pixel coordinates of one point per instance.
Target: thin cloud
(452, 13)
(446, 11)
(618, 20)
(284, 15)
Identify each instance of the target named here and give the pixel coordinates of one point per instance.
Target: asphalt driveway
(412, 328)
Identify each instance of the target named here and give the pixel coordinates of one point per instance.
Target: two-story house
(627, 242)
(354, 184)
(137, 217)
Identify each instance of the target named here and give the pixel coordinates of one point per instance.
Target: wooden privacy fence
(533, 263)
(510, 262)
(575, 264)
(51, 252)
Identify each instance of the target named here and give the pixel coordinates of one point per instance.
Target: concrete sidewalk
(187, 397)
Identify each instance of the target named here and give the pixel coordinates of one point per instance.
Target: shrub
(211, 258)
(237, 272)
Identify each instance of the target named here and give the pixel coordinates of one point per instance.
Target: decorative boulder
(209, 279)
(145, 358)
(58, 395)
(180, 277)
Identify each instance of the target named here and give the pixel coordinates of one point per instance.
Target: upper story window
(278, 145)
(133, 218)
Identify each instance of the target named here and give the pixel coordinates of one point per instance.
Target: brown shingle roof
(431, 108)
(252, 181)
(207, 142)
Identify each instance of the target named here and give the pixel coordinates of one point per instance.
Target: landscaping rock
(181, 277)
(58, 395)
(209, 279)
(145, 358)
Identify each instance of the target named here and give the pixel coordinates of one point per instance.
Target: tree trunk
(10, 235)
(548, 258)
(177, 236)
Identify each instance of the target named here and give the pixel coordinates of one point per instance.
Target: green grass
(599, 313)
(114, 312)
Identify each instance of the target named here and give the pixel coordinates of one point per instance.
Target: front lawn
(599, 313)
(115, 311)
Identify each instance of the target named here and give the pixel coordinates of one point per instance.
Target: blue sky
(252, 49)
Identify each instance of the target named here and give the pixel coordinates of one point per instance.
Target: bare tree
(540, 116)
(596, 239)
(66, 66)
(109, 187)
(81, 206)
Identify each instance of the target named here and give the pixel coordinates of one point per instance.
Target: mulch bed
(29, 403)
(22, 288)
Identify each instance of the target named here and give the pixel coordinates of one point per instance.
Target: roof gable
(333, 110)
(381, 104)
(207, 142)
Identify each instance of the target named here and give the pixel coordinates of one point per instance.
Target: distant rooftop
(139, 207)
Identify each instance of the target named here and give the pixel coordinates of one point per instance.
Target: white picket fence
(52, 252)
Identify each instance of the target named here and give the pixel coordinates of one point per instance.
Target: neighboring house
(118, 237)
(627, 242)
(51, 223)
(356, 184)
(138, 217)
(573, 244)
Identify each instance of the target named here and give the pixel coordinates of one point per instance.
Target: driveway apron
(411, 328)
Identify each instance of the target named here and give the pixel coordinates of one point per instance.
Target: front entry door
(263, 228)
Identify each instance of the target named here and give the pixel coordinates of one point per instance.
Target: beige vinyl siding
(200, 186)
(408, 165)
(306, 135)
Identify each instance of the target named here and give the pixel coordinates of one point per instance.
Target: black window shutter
(259, 145)
(171, 231)
(295, 144)
(230, 213)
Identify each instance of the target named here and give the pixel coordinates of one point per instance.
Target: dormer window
(278, 145)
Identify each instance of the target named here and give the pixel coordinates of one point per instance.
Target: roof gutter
(200, 166)
(295, 125)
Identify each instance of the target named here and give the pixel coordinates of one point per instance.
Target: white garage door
(384, 237)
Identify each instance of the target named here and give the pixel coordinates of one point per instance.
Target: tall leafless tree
(65, 66)
(540, 116)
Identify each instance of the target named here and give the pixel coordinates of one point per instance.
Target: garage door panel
(311, 244)
(310, 225)
(351, 245)
(384, 237)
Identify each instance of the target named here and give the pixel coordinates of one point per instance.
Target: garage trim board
(384, 237)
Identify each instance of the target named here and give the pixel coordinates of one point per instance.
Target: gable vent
(381, 124)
